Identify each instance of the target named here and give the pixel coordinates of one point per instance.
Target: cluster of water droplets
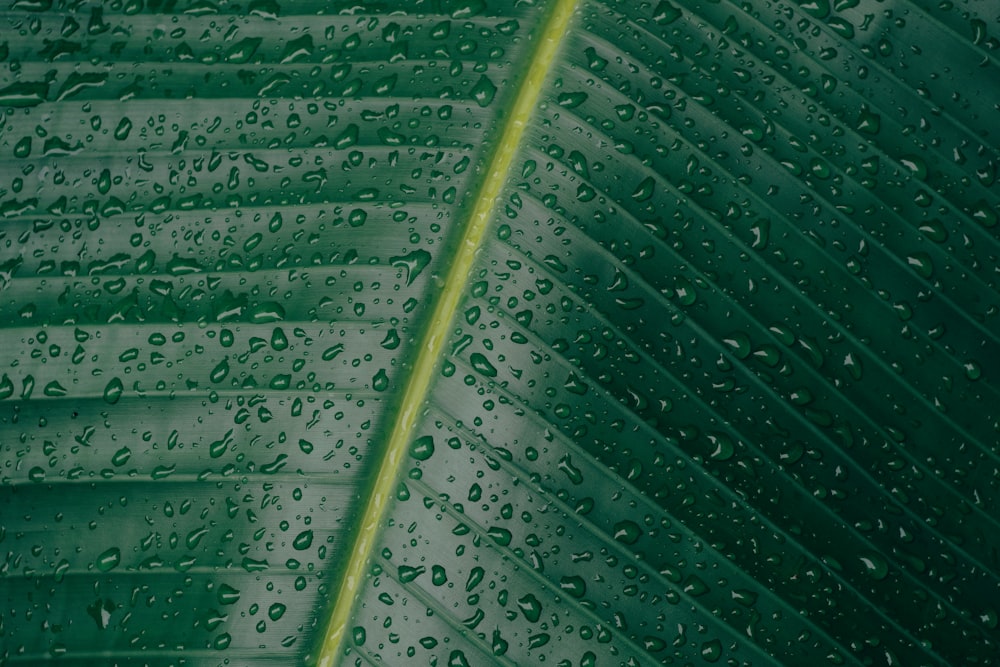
(220, 225)
(721, 386)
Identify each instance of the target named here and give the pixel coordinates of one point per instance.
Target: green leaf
(575, 332)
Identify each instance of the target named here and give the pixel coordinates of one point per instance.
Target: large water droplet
(113, 391)
(303, 540)
(422, 448)
(530, 607)
(482, 365)
(484, 91)
(413, 263)
(380, 382)
(109, 559)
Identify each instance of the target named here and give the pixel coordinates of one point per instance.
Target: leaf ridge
(434, 339)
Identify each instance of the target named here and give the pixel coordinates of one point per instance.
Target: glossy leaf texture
(221, 226)
(721, 388)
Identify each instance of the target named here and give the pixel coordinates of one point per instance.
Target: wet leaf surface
(719, 388)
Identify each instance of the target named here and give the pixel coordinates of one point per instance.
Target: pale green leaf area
(468, 332)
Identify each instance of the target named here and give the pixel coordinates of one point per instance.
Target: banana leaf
(462, 332)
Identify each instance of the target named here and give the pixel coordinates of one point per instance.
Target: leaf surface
(589, 333)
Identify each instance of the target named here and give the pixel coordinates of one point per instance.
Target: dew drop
(109, 559)
(422, 448)
(874, 566)
(220, 371)
(627, 532)
(380, 382)
(482, 365)
(276, 611)
(303, 540)
(113, 391)
(484, 91)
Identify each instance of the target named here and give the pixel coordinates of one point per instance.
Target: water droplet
(422, 448)
(934, 229)
(571, 100)
(983, 213)
(303, 540)
(739, 343)
(22, 148)
(921, 264)
(575, 385)
(666, 13)
(252, 565)
(594, 61)
(413, 263)
(276, 611)
(220, 371)
(752, 132)
(407, 573)
(227, 594)
(113, 391)
(482, 365)
(243, 50)
(711, 651)
(573, 585)
(874, 565)
(868, 122)
(6, 387)
(380, 382)
(121, 457)
(357, 217)
(391, 340)
(101, 611)
(645, 189)
(331, 352)
(530, 607)
(279, 341)
(627, 532)
(347, 138)
(484, 91)
(219, 447)
(722, 446)
(54, 389)
(499, 645)
(684, 289)
(916, 165)
(853, 365)
(109, 559)
(267, 311)
(566, 465)
(500, 535)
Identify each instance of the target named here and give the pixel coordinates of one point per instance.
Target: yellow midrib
(430, 351)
